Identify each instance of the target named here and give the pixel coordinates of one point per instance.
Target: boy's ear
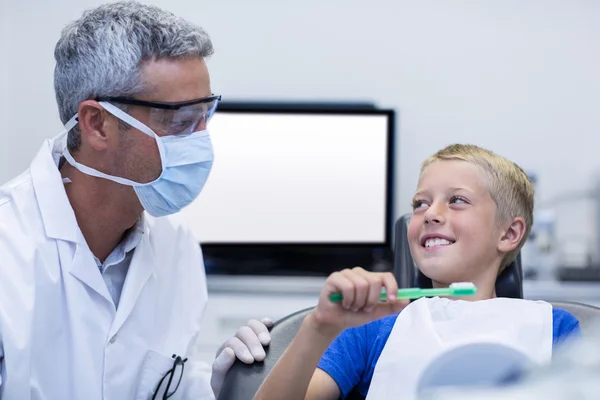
(512, 235)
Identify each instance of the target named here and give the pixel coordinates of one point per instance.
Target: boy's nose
(434, 215)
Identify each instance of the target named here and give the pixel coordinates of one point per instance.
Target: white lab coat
(60, 336)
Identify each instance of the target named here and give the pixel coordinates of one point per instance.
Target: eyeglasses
(180, 118)
(172, 373)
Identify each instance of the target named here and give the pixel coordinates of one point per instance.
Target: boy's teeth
(436, 242)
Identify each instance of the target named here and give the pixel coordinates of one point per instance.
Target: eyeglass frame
(158, 104)
(177, 361)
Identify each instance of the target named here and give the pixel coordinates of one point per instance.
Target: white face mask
(186, 163)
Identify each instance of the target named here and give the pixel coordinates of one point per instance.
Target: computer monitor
(288, 182)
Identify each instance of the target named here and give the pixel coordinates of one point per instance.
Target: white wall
(3, 88)
(518, 76)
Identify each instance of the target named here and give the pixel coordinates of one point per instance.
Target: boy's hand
(361, 291)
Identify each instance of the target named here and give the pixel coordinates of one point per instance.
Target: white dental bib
(431, 327)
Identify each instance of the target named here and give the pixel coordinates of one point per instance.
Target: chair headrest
(508, 284)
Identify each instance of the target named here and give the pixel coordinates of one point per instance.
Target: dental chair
(243, 381)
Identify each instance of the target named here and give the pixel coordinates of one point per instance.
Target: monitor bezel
(321, 109)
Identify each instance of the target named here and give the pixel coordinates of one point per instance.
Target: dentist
(102, 288)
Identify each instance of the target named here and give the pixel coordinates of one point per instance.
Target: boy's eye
(457, 200)
(418, 204)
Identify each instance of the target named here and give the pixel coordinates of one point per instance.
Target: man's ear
(95, 124)
(512, 235)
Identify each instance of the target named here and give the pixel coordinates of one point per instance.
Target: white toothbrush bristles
(462, 285)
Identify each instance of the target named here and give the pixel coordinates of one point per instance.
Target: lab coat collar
(57, 214)
(60, 223)
(140, 271)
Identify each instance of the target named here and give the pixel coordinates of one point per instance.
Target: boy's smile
(435, 241)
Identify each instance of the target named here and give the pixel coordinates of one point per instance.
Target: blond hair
(508, 185)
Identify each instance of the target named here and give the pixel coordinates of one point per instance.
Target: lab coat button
(112, 339)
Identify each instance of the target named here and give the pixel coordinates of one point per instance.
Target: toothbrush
(455, 289)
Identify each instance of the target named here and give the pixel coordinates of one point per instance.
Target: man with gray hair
(102, 289)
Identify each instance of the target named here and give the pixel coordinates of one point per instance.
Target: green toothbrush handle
(403, 294)
(336, 297)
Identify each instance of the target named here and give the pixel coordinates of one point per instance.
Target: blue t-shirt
(351, 358)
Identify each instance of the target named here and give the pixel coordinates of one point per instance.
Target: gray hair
(101, 53)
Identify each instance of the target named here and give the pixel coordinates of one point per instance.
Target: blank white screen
(294, 178)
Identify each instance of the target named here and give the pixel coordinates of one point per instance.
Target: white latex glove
(247, 345)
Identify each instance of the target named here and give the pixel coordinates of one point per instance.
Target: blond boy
(473, 210)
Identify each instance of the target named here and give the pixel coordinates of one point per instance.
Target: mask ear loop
(60, 145)
(131, 121)
(71, 123)
(123, 116)
(92, 172)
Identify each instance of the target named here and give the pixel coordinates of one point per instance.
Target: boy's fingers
(375, 283)
(361, 288)
(339, 283)
(391, 286)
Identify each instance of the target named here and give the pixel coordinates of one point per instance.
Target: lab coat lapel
(141, 268)
(57, 213)
(86, 270)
